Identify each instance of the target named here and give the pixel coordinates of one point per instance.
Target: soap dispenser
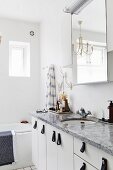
(110, 107)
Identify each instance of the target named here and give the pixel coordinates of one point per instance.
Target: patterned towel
(6, 148)
(51, 88)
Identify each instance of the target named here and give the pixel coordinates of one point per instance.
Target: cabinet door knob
(43, 129)
(104, 164)
(59, 139)
(54, 136)
(83, 147)
(35, 125)
(83, 167)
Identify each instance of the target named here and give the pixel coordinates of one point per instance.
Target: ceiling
(31, 10)
(38, 10)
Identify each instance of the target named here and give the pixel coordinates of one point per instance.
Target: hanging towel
(51, 88)
(6, 148)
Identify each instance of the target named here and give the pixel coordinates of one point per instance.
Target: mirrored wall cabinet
(92, 41)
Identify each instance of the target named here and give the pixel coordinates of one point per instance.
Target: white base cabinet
(53, 149)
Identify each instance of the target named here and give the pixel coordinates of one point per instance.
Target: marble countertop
(97, 134)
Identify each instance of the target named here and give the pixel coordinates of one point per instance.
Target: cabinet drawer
(80, 163)
(108, 157)
(89, 153)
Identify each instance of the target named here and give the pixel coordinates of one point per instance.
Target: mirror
(89, 47)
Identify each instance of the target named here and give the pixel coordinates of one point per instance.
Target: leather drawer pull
(83, 147)
(43, 129)
(83, 167)
(54, 136)
(35, 125)
(104, 164)
(59, 139)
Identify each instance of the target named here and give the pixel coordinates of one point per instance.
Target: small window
(19, 59)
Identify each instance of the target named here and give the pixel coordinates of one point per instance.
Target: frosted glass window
(19, 59)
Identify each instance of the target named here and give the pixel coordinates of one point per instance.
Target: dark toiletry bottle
(110, 107)
(57, 106)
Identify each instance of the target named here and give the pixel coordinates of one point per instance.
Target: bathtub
(23, 145)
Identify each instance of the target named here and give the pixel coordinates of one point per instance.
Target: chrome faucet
(83, 113)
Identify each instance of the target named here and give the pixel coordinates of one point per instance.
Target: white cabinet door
(59, 150)
(35, 141)
(81, 164)
(66, 51)
(51, 148)
(65, 151)
(41, 145)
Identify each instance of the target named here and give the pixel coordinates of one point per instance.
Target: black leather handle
(83, 147)
(104, 164)
(43, 129)
(83, 167)
(35, 125)
(59, 139)
(54, 136)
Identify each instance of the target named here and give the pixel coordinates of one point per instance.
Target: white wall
(91, 97)
(18, 96)
(51, 45)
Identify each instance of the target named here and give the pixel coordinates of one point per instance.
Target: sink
(73, 122)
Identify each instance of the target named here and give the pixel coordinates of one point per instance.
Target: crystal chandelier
(82, 47)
